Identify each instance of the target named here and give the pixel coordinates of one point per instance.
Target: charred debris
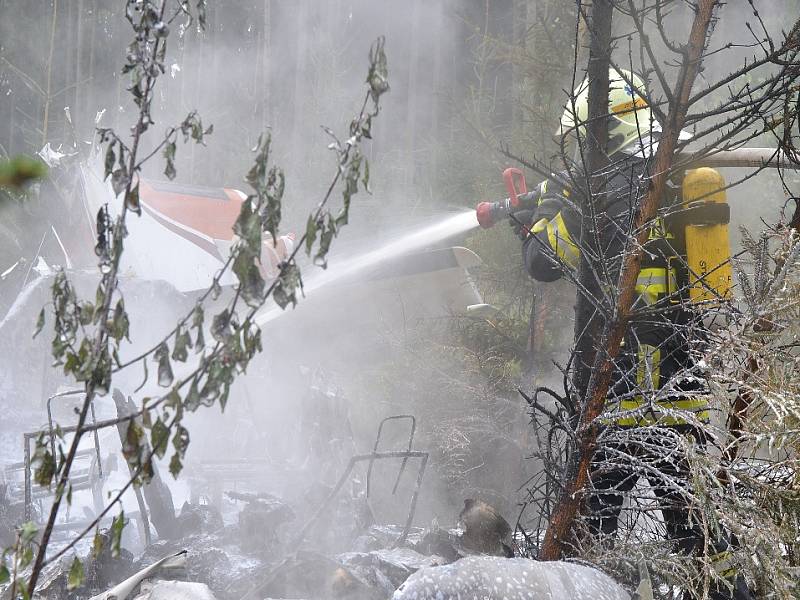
(243, 536)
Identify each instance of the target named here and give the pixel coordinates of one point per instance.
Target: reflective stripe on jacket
(561, 242)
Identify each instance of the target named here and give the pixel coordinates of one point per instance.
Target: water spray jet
(449, 226)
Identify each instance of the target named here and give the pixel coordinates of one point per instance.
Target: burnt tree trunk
(588, 320)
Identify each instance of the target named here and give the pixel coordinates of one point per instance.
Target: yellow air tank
(708, 247)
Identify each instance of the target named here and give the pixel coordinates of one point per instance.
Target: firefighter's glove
(521, 222)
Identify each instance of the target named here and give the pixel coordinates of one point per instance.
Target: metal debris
(123, 590)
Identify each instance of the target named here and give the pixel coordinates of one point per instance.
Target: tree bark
(567, 507)
(588, 321)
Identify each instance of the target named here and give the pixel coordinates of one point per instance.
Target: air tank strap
(704, 213)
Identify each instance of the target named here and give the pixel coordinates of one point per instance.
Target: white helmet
(630, 117)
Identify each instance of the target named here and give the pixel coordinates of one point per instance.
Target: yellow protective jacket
(656, 378)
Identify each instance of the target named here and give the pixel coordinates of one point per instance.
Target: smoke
(331, 370)
(356, 351)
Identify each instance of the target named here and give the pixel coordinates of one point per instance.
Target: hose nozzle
(488, 214)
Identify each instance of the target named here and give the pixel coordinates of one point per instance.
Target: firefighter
(656, 395)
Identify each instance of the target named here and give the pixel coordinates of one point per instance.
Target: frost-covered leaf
(97, 543)
(117, 525)
(39, 323)
(365, 127)
(147, 420)
(159, 438)
(169, 161)
(110, 159)
(132, 447)
(147, 472)
(248, 226)
(103, 225)
(76, 574)
(120, 325)
(119, 180)
(175, 465)
(101, 374)
(289, 281)
(173, 399)
(201, 14)
(132, 200)
(350, 186)
(269, 184)
(327, 231)
(378, 76)
(193, 400)
(251, 283)
(271, 214)
(216, 289)
(257, 174)
(44, 463)
(183, 341)
(28, 532)
(223, 397)
(45, 470)
(198, 317)
(192, 127)
(252, 340)
(161, 355)
(200, 341)
(311, 233)
(365, 179)
(220, 326)
(86, 313)
(180, 441)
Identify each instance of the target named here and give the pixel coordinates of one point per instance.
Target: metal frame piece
(413, 420)
(27, 437)
(405, 455)
(52, 436)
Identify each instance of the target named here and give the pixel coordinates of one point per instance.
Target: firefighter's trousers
(616, 467)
